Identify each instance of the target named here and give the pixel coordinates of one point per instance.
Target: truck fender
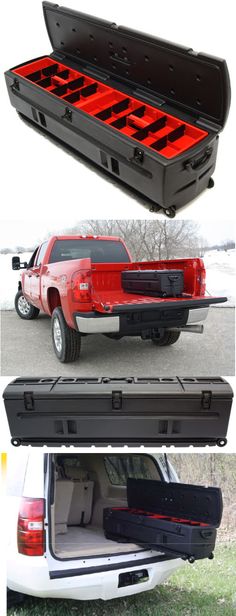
(53, 299)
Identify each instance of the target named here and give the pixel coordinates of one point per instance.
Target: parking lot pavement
(27, 350)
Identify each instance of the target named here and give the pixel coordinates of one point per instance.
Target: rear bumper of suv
(33, 578)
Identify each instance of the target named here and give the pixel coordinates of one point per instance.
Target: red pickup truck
(77, 281)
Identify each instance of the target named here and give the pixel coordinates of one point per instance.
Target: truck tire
(14, 598)
(66, 341)
(167, 339)
(24, 309)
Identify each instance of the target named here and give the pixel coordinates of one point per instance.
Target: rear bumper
(197, 314)
(133, 322)
(97, 325)
(35, 581)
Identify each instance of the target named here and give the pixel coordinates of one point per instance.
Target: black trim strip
(103, 442)
(163, 304)
(55, 575)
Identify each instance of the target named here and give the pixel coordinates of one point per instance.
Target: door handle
(36, 275)
(29, 275)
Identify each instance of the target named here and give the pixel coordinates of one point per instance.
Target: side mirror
(16, 264)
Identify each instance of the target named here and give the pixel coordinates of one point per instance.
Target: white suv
(57, 547)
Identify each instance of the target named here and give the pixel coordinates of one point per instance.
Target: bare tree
(148, 240)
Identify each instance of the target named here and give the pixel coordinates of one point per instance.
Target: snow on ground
(220, 274)
(220, 279)
(9, 280)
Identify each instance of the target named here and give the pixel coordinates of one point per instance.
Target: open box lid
(168, 73)
(179, 500)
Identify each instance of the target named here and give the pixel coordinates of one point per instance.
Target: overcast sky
(30, 233)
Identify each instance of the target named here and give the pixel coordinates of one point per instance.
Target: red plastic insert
(146, 125)
(157, 516)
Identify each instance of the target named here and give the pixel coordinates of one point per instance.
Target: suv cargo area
(84, 486)
(117, 504)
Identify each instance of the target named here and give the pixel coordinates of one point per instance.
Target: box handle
(192, 165)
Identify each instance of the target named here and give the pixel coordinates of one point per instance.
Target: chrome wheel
(23, 305)
(57, 335)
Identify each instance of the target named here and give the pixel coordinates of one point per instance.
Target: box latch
(15, 86)
(206, 399)
(116, 400)
(29, 400)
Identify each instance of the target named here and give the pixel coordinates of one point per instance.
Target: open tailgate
(117, 302)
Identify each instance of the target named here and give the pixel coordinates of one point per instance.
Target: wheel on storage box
(170, 211)
(66, 341)
(211, 183)
(167, 339)
(24, 309)
(16, 442)
(221, 442)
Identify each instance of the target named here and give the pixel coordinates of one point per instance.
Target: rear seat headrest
(75, 473)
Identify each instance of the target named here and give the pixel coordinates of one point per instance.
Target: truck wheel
(167, 339)
(66, 341)
(24, 309)
(14, 598)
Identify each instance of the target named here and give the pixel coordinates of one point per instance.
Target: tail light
(30, 528)
(202, 279)
(81, 286)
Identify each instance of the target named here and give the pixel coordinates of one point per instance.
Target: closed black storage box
(145, 110)
(131, 411)
(173, 517)
(158, 283)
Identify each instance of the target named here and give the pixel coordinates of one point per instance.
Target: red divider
(148, 126)
(157, 516)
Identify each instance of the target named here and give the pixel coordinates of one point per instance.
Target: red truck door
(34, 274)
(28, 275)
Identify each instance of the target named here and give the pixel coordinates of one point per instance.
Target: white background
(40, 180)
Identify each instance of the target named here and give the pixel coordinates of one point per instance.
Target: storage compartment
(162, 283)
(159, 131)
(76, 519)
(145, 110)
(178, 518)
(124, 411)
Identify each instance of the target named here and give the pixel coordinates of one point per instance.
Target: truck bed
(109, 296)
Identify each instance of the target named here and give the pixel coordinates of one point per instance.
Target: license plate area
(130, 578)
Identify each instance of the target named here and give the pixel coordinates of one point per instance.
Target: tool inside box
(156, 516)
(161, 132)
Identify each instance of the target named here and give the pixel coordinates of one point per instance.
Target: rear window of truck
(99, 251)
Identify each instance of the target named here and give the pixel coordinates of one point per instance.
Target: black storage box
(145, 110)
(174, 517)
(157, 283)
(132, 411)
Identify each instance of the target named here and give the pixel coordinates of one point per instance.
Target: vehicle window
(99, 251)
(32, 258)
(41, 253)
(119, 468)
